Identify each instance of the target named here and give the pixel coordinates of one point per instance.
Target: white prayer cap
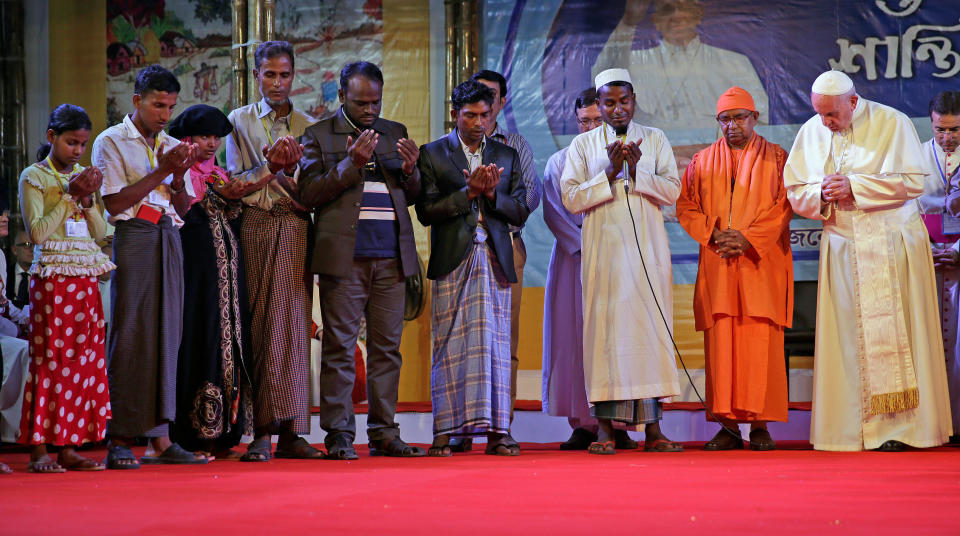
(612, 75)
(832, 83)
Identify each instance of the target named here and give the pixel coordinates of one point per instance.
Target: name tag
(77, 229)
(158, 199)
(951, 224)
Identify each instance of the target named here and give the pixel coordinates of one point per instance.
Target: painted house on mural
(173, 44)
(119, 59)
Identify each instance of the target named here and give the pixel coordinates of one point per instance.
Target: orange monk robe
(742, 304)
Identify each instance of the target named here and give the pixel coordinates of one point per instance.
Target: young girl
(66, 401)
(214, 407)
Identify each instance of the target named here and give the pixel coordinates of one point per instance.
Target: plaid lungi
(629, 412)
(470, 375)
(274, 246)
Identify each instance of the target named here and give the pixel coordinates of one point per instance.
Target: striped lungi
(146, 295)
(470, 375)
(274, 244)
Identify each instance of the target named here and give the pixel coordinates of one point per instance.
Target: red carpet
(544, 491)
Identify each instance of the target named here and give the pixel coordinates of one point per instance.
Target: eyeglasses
(23, 244)
(728, 119)
(590, 122)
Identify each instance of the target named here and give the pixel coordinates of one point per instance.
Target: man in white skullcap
(879, 373)
(618, 176)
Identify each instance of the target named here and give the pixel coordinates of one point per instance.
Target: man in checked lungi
(146, 190)
(471, 189)
(273, 236)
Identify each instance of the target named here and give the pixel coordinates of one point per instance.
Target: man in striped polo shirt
(359, 175)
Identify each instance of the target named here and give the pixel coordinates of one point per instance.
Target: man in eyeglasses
(734, 204)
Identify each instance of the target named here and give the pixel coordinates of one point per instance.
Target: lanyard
(66, 182)
(59, 176)
(152, 155)
(266, 129)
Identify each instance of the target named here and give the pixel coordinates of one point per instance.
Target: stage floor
(544, 491)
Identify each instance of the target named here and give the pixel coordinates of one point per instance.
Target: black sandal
(117, 454)
(395, 448)
(299, 449)
(257, 451)
(340, 447)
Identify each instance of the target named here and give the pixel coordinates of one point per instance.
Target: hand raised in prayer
(616, 154)
(234, 189)
(944, 258)
(836, 188)
(493, 180)
(410, 153)
(83, 185)
(174, 159)
(632, 154)
(361, 150)
(294, 154)
(179, 183)
(476, 181)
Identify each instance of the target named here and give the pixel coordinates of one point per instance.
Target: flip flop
(45, 466)
(116, 453)
(662, 445)
(605, 448)
(395, 448)
(257, 451)
(174, 455)
(229, 455)
(5, 469)
(299, 449)
(84, 464)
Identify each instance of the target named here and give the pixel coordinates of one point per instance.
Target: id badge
(77, 229)
(951, 224)
(157, 199)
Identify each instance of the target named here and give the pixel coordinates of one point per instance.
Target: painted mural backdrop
(192, 38)
(898, 52)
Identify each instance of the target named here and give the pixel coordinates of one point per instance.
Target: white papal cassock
(879, 370)
(627, 352)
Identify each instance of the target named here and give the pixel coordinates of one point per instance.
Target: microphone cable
(643, 263)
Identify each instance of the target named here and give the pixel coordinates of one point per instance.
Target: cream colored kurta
(877, 294)
(948, 278)
(627, 352)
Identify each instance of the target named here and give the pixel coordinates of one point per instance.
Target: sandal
(121, 457)
(5, 469)
(45, 465)
(395, 448)
(605, 447)
(299, 449)
(724, 440)
(892, 446)
(760, 440)
(662, 445)
(174, 455)
(502, 445)
(84, 464)
(340, 447)
(257, 451)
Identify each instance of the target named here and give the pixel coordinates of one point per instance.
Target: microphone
(626, 177)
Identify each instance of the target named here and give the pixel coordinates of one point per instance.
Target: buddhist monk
(734, 204)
